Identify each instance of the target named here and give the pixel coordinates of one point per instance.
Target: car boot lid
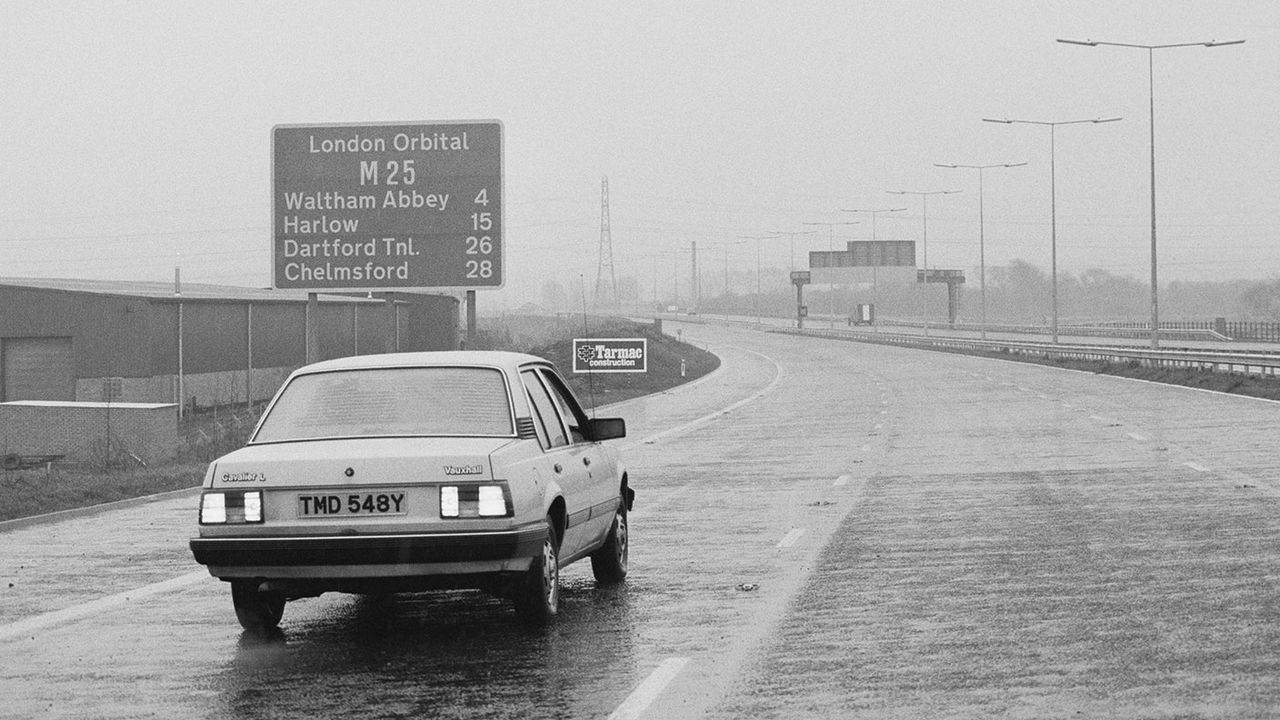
(321, 463)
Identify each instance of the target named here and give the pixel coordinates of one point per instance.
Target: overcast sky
(135, 137)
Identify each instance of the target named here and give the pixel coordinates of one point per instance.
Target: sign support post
(800, 278)
(312, 337)
(471, 319)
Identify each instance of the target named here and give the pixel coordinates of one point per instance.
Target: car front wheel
(539, 597)
(257, 611)
(609, 563)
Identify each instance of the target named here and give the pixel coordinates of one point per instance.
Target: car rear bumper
(478, 549)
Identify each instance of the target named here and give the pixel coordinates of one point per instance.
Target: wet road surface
(822, 529)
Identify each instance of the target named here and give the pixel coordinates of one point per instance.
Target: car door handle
(559, 468)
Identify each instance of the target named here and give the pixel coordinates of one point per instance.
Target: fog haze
(136, 136)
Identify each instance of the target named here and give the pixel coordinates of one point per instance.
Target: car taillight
(470, 501)
(226, 508)
(253, 506)
(213, 509)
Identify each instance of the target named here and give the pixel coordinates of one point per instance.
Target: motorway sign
(387, 206)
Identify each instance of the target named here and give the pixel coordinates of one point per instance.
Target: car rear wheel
(256, 611)
(538, 598)
(609, 563)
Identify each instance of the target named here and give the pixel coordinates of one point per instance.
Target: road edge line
(648, 690)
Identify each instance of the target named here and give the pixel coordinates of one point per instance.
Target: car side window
(544, 410)
(539, 427)
(569, 408)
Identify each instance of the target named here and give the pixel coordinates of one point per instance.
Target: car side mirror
(607, 428)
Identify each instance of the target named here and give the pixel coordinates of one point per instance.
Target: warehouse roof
(165, 290)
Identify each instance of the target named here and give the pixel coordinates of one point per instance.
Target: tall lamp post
(792, 236)
(726, 245)
(924, 217)
(875, 285)
(1151, 92)
(757, 238)
(1053, 199)
(831, 288)
(982, 252)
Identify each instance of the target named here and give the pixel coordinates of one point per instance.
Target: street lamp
(1151, 91)
(875, 285)
(982, 252)
(757, 238)
(1053, 199)
(831, 287)
(726, 245)
(924, 215)
(793, 235)
(695, 282)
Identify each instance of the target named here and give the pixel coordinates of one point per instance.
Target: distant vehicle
(416, 471)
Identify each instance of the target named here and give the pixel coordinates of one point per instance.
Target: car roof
(510, 361)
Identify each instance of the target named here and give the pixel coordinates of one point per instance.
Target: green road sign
(386, 207)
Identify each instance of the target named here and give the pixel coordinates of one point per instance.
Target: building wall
(135, 339)
(227, 387)
(80, 431)
(108, 333)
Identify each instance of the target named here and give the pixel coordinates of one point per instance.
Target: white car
(416, 471)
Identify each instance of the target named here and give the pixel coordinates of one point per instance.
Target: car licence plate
(387, 502)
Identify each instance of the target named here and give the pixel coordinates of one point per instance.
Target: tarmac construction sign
(610, 355)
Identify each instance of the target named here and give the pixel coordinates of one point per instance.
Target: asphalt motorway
(822, 529)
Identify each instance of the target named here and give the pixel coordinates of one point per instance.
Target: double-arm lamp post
(1053, 199)
(982, 251)
(924, 220)
(726, 244)
(1155, 304)
(792, 235)
(757, 238)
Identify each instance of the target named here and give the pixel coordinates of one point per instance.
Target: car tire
(538, 598)
(609, 563)
(257, 611)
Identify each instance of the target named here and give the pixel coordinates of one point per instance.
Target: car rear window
(390, 401)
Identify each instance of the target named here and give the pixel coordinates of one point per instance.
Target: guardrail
(1259, 363)
(1102, 331)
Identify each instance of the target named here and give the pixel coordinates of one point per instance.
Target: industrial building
(193, 345)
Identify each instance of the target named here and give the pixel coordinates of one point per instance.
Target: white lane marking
(711, 416)
(842, 481)
(879, 426)
(1067, 405)
(1099, 418)
(1138, 437)
(1196, 466)
(93, 607)
(643, 696)
(866, 448)
(790, 538)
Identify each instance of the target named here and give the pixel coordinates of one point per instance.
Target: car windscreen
(390, 401)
